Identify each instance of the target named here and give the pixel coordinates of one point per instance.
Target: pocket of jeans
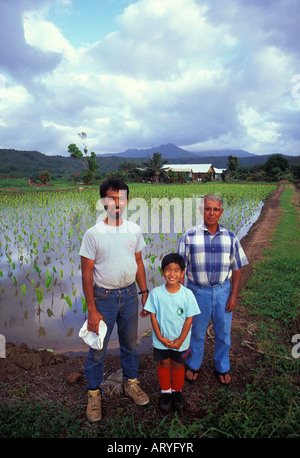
(195, 289)
(101, 294)
(132, 291)
(226, 286)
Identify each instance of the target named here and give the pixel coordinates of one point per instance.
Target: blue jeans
(116, 306)
(212, 302)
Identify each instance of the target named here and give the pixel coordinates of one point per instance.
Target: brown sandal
(223, 374)
(193, 372)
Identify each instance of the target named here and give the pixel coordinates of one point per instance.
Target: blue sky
(86, 22)
(202, 74)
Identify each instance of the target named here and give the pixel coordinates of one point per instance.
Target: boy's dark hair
(115, 184)
(173, 257)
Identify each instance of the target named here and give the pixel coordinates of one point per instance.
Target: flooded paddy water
(41, 298)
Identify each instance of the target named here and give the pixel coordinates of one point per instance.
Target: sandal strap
(194, 371)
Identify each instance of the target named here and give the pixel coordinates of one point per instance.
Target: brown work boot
(93, 410)
(132, 389)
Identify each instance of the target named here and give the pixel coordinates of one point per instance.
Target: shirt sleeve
(88, 246)
(183, 248)
(239, 258)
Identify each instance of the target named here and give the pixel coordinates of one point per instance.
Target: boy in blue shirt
(172, 307)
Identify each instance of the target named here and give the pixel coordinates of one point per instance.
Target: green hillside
(29, 164)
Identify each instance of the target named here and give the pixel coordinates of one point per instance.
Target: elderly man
(214, 259)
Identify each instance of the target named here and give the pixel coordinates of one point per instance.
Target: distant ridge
(225, 152)
(30, 163)
(170, 151)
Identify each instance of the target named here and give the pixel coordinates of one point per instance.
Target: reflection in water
(40, 275)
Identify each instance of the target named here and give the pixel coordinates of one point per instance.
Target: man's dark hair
(115, 184)
(173, 257)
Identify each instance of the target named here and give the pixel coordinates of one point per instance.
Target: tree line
(276, 168)
(84, 167)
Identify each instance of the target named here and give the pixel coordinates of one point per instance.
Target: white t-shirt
(113, 249)
(171, 310)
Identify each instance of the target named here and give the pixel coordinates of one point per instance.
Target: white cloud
(162, 40)
(45, 35)
(201, 74)
(258, 127)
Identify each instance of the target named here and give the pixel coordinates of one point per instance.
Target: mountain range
(31, 163)
(170, 151)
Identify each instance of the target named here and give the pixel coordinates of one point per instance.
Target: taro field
(41, 298)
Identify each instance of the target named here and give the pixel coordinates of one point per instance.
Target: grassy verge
(272, 296)
(273, 292)
(268, 407)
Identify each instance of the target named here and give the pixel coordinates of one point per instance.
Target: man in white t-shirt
(111, 261)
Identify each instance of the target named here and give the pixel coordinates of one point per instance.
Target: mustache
(115, 208)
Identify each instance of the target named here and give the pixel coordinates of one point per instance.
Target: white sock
(167, 391)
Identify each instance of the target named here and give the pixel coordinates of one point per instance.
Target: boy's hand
(166, 342)
(176, 344)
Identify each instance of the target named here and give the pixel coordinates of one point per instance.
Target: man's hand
(231, 303)
(94, 319)
(144, 313)
(236, 281)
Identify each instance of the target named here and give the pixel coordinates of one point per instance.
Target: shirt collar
(220, 228)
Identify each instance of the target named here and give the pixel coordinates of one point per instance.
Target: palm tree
(154, 166)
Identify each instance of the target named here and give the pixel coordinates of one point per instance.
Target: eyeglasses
(212, 209)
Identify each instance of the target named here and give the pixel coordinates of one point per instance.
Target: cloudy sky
(202, 74)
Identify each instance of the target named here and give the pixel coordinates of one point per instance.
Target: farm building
(195, 172)
(218, 173)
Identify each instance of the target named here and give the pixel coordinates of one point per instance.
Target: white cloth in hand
(91, 338)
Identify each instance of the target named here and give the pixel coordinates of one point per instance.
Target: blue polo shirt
(171, 310)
